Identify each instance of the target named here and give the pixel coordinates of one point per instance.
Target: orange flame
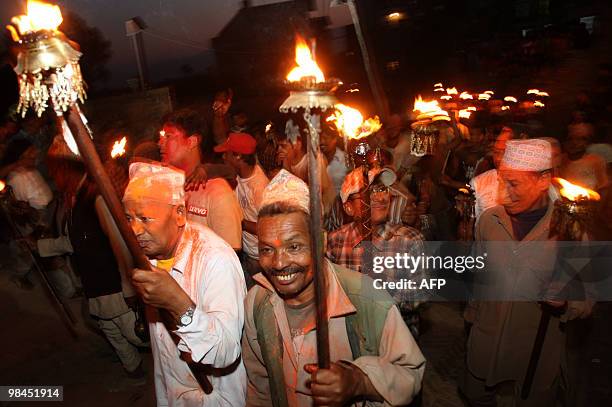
(446, 97)
(439, 90)
(489, 92)
(484, 96)
(119, 148)
(465, 114)
(2, 185)
(533, 91)
(349, 121)
(510, 99)
(438, 85)
(542, 93)
(428, 108)
(452, 91)
(537, 103)
(40, 16)
(306, 66)
(505, 108)
(471, 109)
(575, 192)
(465, 95)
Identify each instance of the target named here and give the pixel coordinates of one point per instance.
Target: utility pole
(133, 29)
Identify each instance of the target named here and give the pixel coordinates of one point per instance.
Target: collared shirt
(347, 248)
(249, 192)
(216, 207)
(396, 372)
(208, 270)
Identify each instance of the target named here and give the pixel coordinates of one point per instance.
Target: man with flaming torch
(519, 277)
(373, 357)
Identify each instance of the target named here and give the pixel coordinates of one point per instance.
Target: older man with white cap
(374, 357)
(194, 291)
(520, 272)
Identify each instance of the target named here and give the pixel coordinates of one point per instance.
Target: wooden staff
(313, 150)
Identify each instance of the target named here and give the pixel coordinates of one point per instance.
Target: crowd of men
(221, 208)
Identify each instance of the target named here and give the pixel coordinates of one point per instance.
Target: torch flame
(505, 107)
(439, 90)
(510, 99)
(428, 108)
(465, 114)
(484, 96)
(119, 148)
(542, 93)
(438, 85)
(533, 91)
(489, 92)
(465, 95)
(471, 109)
(40, 16)
(349, 121)
(452, 91)
(306, 66)
(2, 186)
(446, 97)
(537, 103)
(575, 192)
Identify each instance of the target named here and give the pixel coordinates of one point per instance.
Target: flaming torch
(425, 135)
(573, 211)
(311, 95)
(49, 76)
(118, 149)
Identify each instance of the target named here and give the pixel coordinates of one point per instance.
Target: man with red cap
(239, 153)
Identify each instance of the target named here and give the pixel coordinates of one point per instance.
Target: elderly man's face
(157, 226)
(522, 191)
(285, 256)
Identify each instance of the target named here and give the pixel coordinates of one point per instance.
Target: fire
(465, 114)
(427, 109)
(349, 121)
(2, 185)
(438, 85)
(446, 97)
(306, 66)
(533, 91)
(465, 95)
(575, 192)
(537, 103)
(505, 108)
(471, 109)
(543, 94)
(510, 99)
(439, 90)
(489, 92)
(119, 148)
(484, 96)
(40, 16)
(452, 91)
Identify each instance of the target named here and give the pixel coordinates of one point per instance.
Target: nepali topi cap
(527, 155)
(286, 188)
(154, 181)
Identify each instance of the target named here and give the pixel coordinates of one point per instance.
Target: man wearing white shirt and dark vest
(194, 293)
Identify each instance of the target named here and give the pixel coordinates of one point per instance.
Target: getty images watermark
(404, 263)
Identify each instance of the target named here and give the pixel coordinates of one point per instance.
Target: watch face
(185, 320)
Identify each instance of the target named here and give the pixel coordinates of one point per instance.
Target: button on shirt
(209, 271)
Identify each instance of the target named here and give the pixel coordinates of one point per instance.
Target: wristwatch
(186, 318)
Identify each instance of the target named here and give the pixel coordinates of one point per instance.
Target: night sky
(190, 25)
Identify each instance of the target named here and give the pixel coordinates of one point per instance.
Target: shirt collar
(183, 251)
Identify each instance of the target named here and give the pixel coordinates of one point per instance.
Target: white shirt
(485, 187)
(29, 186)
(336, 169)
(209, 271)
(249, 192)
